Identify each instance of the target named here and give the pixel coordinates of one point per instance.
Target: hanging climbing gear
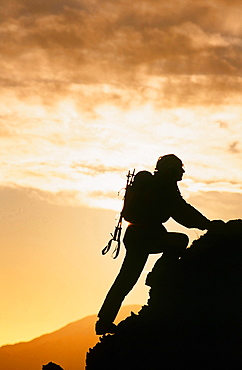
(116, 236)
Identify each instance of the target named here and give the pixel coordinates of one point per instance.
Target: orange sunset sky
(89, 90)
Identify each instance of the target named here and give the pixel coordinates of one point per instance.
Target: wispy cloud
(91, 89)
(95, 169)
(234, 147)
(49, 49)
(224, 205)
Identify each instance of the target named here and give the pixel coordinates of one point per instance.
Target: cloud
(91, 89)
(93, 169)
(104, 194)
(234, 147)
(216, 205)
(222, 124)
(14, 197)
(48, 48)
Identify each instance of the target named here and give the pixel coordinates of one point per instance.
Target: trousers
(139, 243)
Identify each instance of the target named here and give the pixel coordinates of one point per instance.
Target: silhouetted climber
(152, 200)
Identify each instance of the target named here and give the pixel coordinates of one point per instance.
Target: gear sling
(116, 236)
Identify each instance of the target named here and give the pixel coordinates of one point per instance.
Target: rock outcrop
(52, 366)
(193, 318)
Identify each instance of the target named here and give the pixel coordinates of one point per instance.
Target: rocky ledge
(193, 318)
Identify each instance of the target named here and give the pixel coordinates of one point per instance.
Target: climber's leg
(130, 271)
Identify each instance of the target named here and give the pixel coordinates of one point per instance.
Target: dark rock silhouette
(52, 366)
(193, 318)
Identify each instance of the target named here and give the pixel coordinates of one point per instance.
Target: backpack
(134, 199)
(137, 198)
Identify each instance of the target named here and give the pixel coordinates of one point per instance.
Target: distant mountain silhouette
(52, 366)
(66, 347)
(193, 319)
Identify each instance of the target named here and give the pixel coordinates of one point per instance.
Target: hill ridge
(66, 346)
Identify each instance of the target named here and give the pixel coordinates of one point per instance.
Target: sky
(89, 90)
